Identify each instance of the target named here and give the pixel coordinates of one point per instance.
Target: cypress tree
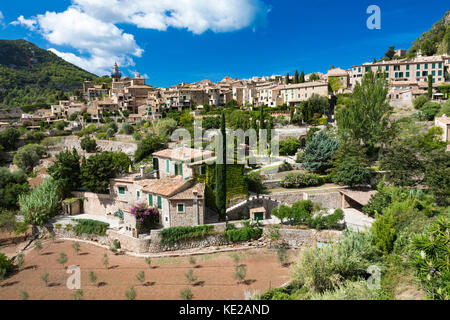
(302, 77)
(287, 78)
(261, 118)
(221, 171)
(296, 77)
(430, 86)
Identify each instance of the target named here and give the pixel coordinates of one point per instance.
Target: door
(259, 216)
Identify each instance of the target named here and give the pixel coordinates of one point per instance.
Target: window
(418, 73)
(440, 65)
(418, 67)
(407, 67)
(407, 74)
(440, 73)
(396, 68)
(367, 69)
(121, 190)
(150, 200)
(203, 170)
(433, 73)
(180, 208)
(387, 68)
(433, 65)
(159, 202)
(396, 74)
(138, 194)
(426, 66)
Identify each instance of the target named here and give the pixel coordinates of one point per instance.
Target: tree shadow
(101, 284)
(113, 267)
(47, 253)
(149, 284)
(54, 284)
(9, 284)
(154, 267)
(199, 284)
(286, 265)
(34, 267)
(83, 253)
(197, 267)
(248, 282)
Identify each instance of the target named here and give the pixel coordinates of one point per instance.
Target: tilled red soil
(163, 280)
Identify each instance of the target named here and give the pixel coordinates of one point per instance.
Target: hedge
(172, 236)
(6, 265)
(243, 234)
(86, 226)
(303, 180)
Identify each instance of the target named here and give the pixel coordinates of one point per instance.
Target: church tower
(116, 75)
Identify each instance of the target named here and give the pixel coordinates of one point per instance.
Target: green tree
(89, 145)
(148, 146)
(302, 77)
(12, 185)
(430, 86)
(351, 173)
(296, 77)
(319, 152)
(420, 101)
(288, 78)
(367, 119)
(9, 138)
(221, 174)
(62, 259)
(29, 156)
(390, 53)
(437, 176)
(383, 230)
(314, 77)
(66, 171)
(429, 110)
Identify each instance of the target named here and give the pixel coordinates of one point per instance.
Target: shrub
(240, 273)
(89, 145)
(186, 294)
(128, 128)
(323, 269)
(430, 110)
(86, 226)
(302, 180)
(243, 234)
(289, 147)
(255, 183)
(130, 294)
(146, 218)
(6, 266)
(172, 236)
(431, 259)
(384, 231)
(319, 152)
(351, 290)
(420, 101)
(28, 157)
(350, 172)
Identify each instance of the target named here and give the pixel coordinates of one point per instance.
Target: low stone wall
(329, 200)
(128, 243)
(304, 237)
(70, 234)
(129, 148)
(272, 184)
(99, 204)
(213, 240)
(288, 197)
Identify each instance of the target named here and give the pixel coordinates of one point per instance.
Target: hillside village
(357, 147)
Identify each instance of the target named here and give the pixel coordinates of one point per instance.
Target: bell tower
(116, 75)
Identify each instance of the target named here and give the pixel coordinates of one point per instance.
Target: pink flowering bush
(146, 218)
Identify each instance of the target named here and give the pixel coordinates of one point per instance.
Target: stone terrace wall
(330, 200)
(99, 204)
(129, 243)
(288, 197)
(129, 148)
(210, 241)
(304, 237)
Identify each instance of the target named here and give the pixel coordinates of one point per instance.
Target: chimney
(142, 171)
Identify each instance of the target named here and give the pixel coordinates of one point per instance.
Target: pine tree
(221, 169)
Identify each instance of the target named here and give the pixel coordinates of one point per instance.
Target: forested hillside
(30, 75)
(435, 41)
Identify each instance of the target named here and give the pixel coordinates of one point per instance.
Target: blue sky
(174, 41)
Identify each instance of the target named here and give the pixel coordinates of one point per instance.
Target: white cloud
(90, 26)
(27, 23)
(197, 16)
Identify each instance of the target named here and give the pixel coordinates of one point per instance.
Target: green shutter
(159, 202)
(176, 169)
(168, 166)
(150, 200)
(181, 169)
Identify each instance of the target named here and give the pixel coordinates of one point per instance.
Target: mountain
(434, 41)
(30, 75)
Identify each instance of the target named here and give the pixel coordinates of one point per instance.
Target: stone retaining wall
(304, 237)
(129, 148)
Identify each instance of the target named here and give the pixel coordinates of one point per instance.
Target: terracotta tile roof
(183, 154)
(337, 72)
(189, 193)
(167, 186)
(445, 120)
